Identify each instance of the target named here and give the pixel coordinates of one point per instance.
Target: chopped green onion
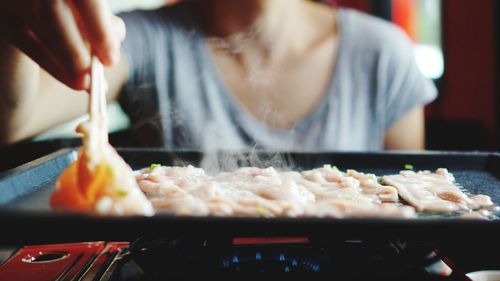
(408, 167)
(348, 197)
(111, 170)
(332, 167)
(262, 212)
(121, 193)
(302, 192)
(154, 166)
(372, 177)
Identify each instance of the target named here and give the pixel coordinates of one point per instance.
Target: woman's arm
(408, 133)
(32, 101)
(43, 43)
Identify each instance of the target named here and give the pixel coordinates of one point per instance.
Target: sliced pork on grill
(251, 191)
(434, 192)
(370, 185)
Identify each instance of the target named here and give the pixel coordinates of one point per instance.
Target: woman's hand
(45, 39)
(61, 35)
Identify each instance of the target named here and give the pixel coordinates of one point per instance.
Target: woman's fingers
(102, 30)
(19, 35)
(61, 35)
(28, 43)
(120, 28)
(59, 31)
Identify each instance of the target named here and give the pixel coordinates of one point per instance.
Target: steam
(215, 161)
(262, 80)
(261, 83)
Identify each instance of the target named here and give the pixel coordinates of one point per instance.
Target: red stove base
(76, 261)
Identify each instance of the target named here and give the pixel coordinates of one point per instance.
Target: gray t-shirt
(176, 99)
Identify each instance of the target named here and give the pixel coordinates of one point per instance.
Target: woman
(220, 74)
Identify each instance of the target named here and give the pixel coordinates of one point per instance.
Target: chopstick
(97, 105)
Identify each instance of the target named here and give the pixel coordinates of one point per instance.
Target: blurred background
(457, 46)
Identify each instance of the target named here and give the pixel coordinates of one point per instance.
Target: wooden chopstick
(97, 104)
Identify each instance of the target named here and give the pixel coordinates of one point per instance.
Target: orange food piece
(92, 177)
(78, 188)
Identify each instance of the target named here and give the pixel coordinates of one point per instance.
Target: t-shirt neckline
(247, 118)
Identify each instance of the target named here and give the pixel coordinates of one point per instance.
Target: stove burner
(185, 259)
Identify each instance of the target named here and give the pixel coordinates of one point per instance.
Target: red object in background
(404, 14)
(469, 82)
(59, 261)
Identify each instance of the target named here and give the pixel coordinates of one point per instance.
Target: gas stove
(284, 258)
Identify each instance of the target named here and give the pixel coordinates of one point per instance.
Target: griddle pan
(26, 217)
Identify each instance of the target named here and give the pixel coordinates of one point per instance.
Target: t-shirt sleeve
(146, 35)
(139, 46)
(406, 87)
